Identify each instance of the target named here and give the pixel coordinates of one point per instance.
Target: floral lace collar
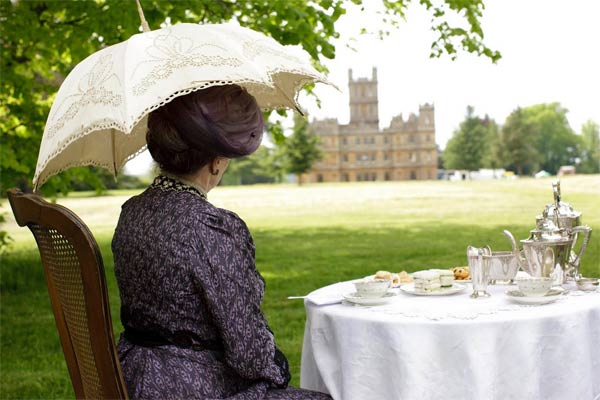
(164, 182)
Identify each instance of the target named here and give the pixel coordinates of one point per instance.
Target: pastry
(405, 277)
(385, 275)
(461, 273)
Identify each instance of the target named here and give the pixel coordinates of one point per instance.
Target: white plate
(368, 301)
(462, 280)
(455, 288)
(518, 297)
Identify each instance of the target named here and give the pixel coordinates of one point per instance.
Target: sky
(550, 53)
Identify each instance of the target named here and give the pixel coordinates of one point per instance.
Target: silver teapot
(565, 217)
(548, 252)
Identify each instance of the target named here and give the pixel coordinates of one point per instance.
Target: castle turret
(364, 106)
(426, 117)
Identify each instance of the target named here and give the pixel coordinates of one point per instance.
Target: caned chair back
(77, 286)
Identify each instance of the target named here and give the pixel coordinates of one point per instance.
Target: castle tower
(363, 99)
(426, 117)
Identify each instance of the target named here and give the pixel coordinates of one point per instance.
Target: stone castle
(360, 151)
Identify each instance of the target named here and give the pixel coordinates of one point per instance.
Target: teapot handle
(587, 234)
(515, 248)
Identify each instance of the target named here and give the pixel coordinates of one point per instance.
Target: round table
(452, 347)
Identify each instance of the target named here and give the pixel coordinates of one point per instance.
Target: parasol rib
(290, 100)
(114, 151)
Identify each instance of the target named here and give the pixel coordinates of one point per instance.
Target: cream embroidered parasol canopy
(100, 112)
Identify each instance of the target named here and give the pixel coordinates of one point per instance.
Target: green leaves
(532, 138)
(469, 145)
(590, 151)
(465, 34)
(301, 149)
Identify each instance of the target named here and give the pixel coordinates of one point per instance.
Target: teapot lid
(546, 230)
(559, 208)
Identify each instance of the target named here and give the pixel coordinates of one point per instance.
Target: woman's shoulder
(185, 206)
(220, 218)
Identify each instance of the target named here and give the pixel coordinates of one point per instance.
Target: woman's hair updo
(192, 130)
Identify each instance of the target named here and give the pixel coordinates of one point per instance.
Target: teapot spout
(515, 248)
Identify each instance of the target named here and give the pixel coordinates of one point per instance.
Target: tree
(468, 147)
(260, 167)
(301, 149)
(517, 150)
(556, 143)
(590, 154)
(41, 41)
(491, 157)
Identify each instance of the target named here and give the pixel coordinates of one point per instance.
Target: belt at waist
(183, 339)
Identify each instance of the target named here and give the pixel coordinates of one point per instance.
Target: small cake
(405, 277)
(427, 281)
(385, 275)
(395, 280)
(461, 273)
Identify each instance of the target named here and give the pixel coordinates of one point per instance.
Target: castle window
(344, 141)
(413, 175)
(319, 178)
(357, 140)
(387, 176)
(363, 110)
(411, 138)
(345, 178)
(345, 158)
(386, 140)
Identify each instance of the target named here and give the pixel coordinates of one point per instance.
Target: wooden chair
(77, 287)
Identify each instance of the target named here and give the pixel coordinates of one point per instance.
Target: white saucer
(455, 288)
(462, 280)
(368, 301)
(518, 297)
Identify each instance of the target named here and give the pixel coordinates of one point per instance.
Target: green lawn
(306, 237)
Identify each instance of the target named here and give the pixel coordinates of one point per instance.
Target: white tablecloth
(453, 347)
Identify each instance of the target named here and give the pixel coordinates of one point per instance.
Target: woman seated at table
(190, 291)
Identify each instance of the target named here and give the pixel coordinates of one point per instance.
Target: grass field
(306, 237)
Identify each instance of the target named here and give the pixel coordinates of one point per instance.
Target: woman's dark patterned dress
(190, 302)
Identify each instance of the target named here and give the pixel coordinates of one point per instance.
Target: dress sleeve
(233, 291)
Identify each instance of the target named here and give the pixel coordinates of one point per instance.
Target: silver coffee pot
(564, 216)
(548, 252)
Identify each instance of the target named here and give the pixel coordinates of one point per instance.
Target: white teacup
(372, 288)
(535, 286)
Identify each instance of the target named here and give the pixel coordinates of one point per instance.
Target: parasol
(99, 115)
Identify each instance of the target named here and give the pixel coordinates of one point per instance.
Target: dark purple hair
(192, 130)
